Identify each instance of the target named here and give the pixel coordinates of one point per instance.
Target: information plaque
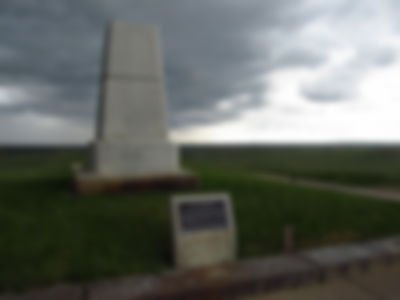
(203, 229)
(203, 215)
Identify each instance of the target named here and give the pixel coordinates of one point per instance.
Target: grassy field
(377, 166)
(47, 234)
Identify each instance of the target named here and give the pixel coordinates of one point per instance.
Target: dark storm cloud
(54, 61)
(213, 50)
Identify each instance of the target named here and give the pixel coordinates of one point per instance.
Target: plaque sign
(203, 215)
(203, 229)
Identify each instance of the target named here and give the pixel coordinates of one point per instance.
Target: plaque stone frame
(203, 239)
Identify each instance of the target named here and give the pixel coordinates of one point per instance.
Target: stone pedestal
(132, 146)
(132, 159)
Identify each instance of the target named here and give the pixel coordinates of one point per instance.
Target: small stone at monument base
(86, 183)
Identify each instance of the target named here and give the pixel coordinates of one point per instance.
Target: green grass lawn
(377, 166)
(48, 235)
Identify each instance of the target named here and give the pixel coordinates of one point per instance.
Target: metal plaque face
(197, 216)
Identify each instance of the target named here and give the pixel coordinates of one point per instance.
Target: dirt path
(349, 189)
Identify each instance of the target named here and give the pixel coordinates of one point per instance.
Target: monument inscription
(203, 216)
(203, 229)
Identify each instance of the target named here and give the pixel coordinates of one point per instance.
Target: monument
(203, 230)
(131, 149)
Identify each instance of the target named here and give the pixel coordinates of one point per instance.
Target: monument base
(127, 158)
(86, 183)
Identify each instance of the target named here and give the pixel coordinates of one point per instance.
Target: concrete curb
(244, 278)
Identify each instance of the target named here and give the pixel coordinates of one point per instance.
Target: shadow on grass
(49, 184)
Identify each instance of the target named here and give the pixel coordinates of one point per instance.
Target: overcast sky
(237, 71)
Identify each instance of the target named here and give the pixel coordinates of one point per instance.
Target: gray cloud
(378, 56)
(214, 50)
(357, 25)
(342, 82)
(210, 49)
(299, 57)
(328, 90)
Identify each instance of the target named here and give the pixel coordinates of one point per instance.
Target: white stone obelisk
(132, 136)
